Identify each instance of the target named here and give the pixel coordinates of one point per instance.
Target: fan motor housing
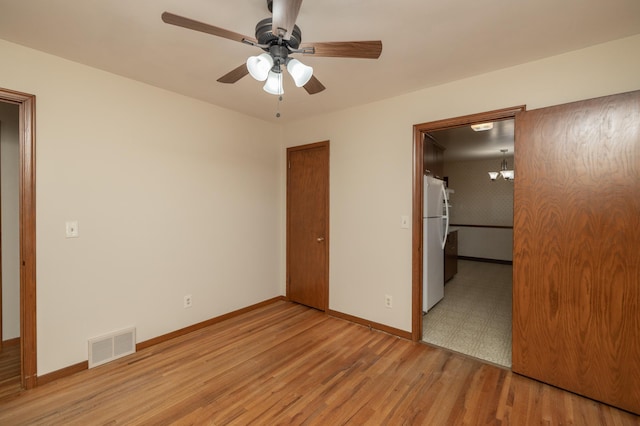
(265, 35)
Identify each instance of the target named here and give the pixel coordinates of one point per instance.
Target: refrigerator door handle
(446, 215)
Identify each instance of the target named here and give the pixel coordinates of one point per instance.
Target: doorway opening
(473, 279)
(308, 225)
(26, 219)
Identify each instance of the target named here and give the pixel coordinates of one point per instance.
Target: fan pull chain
(279, 96)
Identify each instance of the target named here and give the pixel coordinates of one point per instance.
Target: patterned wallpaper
(477, 200)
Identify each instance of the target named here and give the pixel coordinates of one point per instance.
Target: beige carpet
(474, 317)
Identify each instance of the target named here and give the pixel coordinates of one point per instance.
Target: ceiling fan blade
(235, 75)
(347, 49)
(285, 13)
(181, 21)
(314, 86)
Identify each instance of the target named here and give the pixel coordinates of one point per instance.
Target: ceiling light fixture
(505, 172)
(259, 66)
(268, 66)
(300, 72)
(481, 127)
(273, 84)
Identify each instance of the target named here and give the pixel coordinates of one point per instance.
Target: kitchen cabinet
(433, 158)
(451, 256)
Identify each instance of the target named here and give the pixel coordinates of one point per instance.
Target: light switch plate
(72, 228)
(404, 222)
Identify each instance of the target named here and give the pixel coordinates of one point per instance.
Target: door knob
(320, 239)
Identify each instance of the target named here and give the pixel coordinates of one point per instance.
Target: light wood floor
(287, 364)
(9, 370)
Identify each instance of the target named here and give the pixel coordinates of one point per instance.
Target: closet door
(576, 288)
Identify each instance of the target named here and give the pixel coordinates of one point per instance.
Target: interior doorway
(308, 225)
(466, 267)
(474, 315)
(27, 222)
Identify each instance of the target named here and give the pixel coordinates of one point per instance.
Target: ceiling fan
(279, 37)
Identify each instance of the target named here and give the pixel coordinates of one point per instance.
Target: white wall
(173, 196)
(9, 146)
(372, 160)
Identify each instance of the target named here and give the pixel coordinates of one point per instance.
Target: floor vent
(111, 346)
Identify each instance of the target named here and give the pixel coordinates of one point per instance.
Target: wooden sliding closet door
(576, 290)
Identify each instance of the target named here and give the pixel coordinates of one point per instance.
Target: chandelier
(505, 172)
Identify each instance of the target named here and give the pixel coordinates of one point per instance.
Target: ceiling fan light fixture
(300, 72)
(274, 83)
(259, 66)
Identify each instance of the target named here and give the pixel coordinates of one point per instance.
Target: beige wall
(173, 196)
(372, 160)
(9, 156)
(479, 201)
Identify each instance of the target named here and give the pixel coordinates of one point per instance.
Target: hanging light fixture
(269, 66)
(259, 66)
(505, 172)
(273, 84)
(300, 72)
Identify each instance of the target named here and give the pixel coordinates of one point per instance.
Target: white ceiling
(463, 143)
(425, 42)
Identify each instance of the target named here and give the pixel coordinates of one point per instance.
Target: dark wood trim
(449, 123)
(416, 257)
(371, 324)
(416, 238)
(63, 372)
(322, 144)
(1, 313)
(27, 167)
(203, 324)
(482, 226)
(485, 260)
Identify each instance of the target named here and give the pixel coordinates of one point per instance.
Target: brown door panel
(576, 293)
(307, 224)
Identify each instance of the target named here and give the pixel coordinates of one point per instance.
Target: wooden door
(308, 225)
(576, 291)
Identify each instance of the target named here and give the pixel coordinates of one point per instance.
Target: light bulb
(259, 66)
(300, 72)
(274, 84)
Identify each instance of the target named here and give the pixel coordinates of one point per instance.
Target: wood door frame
(418, 183)
(323, 144)
(27, 205)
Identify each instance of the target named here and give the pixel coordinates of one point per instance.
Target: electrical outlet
(388, 301)
(188, 302)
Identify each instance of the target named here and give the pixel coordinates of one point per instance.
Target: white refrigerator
(434, 234)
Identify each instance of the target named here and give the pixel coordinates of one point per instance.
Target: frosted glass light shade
(507, 174)
(493, 175)
(300, 72)
(259, 66)
(481, 127)
(274, 84)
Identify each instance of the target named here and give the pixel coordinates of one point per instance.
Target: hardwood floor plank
(288, 364)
